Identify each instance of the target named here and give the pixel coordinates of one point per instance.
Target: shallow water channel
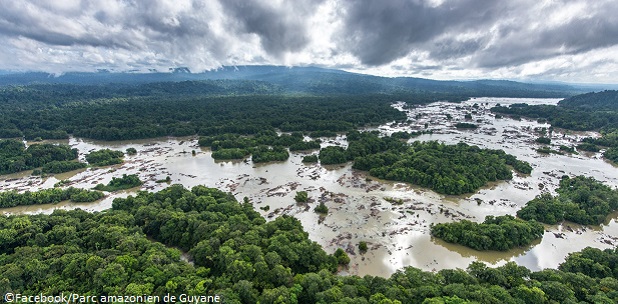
(397, 235)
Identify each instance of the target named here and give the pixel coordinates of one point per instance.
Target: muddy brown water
(397, 235)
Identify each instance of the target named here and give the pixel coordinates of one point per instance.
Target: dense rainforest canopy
(48, 196)
(120, 183)
(105, 157)
(581, 200)
(15, 157)
(231, 100)
(590, 111)
(131, 250)
(108, 113)
(499, 233)
(448, 169)
(234, 146)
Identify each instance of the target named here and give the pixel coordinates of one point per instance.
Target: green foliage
(449, 169)
(15, 157)
(167, 179)
(611, 154)
(362, 246)
(593, 262)
(495, 233)
(131, 151)
(264, 154)
(305, 145)
(607, 139)
(47, 196)
(322, 133)
(232, 146)
(590, 111)
(153, 110)
(243, 258)
(547, 150)
(301, 197)
(342, 257)
(104, 157)
(465, 125)
(567, 149)
(310, 159)
(120, 183)
(581, 200)
(543, 140)
(333, 155)
(406, 135)
(604, 100)
(321, 208)
(217, 230)
(588, 147)
(232, 153)
(62, 166)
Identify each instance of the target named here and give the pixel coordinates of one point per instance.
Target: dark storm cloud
(597, 29)
(440, 36)
(174, 29)
(378, 32)
(491, 34)
(27, 20)
(450, 47)
(281, 29)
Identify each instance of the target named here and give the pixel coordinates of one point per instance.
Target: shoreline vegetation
(581, 200)
(15, 157)
(48, 196)
(585, 112)
(238, 255)
(235, 252)
(447, 169)
(120, 183)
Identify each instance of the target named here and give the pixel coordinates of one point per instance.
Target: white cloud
(563, 40)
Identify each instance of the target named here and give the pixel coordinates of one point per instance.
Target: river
(397, 235)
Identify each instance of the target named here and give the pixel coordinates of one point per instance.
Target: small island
(499, 233)
(120, 183)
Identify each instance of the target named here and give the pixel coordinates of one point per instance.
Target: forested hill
(605, 100)
(308, 80)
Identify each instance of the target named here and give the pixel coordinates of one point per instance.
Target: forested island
(499, 233)
(244, 259)
(581, 200)
(105, 157)
(48, 196)
(120, 183)
(448, 169)
(265, 146)
(585, 112)
(15, 157)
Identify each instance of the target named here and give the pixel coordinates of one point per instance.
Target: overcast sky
(566, 40)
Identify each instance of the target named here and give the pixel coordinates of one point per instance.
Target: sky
(561, 40)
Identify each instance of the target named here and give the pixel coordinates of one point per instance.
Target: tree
(301, 197)
(321, 208)
(131, 151)
(342, 257)
(362, 246)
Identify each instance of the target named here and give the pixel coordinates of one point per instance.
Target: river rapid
(397, 235)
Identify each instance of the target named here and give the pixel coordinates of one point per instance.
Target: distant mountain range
(309, 80)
